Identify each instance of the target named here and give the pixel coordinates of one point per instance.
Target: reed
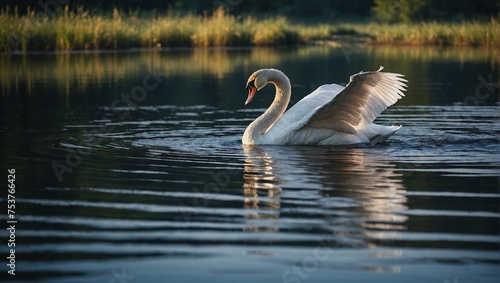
(82, 30)
(471, 33)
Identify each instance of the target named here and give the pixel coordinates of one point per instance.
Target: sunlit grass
(434, 33)
(82, 30)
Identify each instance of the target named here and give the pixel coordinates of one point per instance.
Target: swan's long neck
(261, 125)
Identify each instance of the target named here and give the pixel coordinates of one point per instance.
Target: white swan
(331, 115)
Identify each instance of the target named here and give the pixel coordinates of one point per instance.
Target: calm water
(129, 168)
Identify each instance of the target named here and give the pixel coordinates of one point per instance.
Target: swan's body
(331, 115)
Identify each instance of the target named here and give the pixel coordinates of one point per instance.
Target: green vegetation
(471, 33)
(398, 11)
(82, 30)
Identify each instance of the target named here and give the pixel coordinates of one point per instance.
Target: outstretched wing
(366, 96)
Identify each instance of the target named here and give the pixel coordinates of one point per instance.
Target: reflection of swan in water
(261, 188)
(356, 190)
(372, 183)
(331, 115)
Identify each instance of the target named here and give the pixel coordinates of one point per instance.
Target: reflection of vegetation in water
(436, 53)
(76, 72)
(81, 70)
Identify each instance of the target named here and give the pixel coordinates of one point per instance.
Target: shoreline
(81, 31)
(351, 42)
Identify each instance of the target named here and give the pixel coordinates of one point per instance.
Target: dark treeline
(387, 10)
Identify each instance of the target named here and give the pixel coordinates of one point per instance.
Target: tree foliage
(411, 10)
(398, 10)
(384, 10)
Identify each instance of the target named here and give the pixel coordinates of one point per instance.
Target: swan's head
(255, 82)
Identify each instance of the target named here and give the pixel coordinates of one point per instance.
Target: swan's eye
(251, 84)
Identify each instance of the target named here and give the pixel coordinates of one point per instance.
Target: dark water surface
(129, 168)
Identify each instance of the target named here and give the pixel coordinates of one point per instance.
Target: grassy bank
(82, 30)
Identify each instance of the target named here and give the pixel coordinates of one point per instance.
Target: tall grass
(433, 33)
(82, 30)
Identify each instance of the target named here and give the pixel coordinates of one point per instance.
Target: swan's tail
(382, 133)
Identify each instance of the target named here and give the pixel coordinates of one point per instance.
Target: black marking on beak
(250, 84)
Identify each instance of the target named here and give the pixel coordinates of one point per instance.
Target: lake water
(129, 168)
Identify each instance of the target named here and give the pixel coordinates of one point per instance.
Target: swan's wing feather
(315, 99)
(306, 106)
(366, 96)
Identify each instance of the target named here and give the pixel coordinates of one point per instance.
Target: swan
(330, 115)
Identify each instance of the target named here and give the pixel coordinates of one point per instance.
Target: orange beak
(251, 93)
